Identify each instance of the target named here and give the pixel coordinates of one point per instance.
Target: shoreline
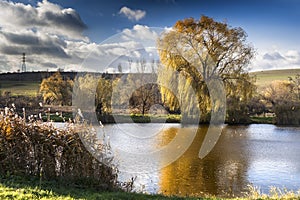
(170, 118)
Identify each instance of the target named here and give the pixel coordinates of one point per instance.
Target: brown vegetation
(39, 149)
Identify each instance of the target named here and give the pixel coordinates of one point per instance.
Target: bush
(41, 150)
(287, 113)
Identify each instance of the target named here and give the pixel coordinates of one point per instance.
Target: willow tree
(203, 51)
(97, 92)
(56, 90)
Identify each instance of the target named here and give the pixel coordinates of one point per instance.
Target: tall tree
(137, 91)
(103, 95)
(94, 92)
(56, 90)
(204, 51)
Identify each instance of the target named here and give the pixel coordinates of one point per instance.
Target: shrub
(39, 149)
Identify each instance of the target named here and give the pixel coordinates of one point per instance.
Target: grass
(262, 120)
(264, 78)
(171, 118)
(57, 117)
(31, 88)
(16, 187)
(139, 118)
(25, 88)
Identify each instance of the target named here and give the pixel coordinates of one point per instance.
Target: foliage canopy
(203, 51)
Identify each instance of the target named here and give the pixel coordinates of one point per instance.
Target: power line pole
(23, 68)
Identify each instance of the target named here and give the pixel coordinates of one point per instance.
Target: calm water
(261, 155)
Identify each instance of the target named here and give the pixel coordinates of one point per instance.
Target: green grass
(139, 118)
(171, 118)
(31, 88)
(15, 187)
(58, 118)
(264, 78)
(262, 120)
(25, 88)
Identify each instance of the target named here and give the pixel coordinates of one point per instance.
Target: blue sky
(273, 27)
(265, 21)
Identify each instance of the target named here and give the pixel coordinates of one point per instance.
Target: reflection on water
(219, 173)
(262, 155)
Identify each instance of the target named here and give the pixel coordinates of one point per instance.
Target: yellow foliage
(202, 51)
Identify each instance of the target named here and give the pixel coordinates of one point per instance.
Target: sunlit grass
(262, 120)
(264, 78)
(15, 187)
(25, 188)
(274, 193)
(24, 88)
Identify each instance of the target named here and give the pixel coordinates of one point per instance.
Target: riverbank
(16, 187)
(148, 118)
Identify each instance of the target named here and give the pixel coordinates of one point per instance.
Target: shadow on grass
(16, 187)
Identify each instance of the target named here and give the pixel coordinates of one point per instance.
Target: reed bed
(30, 147)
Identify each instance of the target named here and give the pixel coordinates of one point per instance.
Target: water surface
(261, 155)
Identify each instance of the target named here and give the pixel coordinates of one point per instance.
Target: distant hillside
(39, 76)
(28, 83)
(33, 76)
(264, 78)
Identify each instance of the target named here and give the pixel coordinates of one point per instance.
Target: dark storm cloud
(24, 39)
(47, 16)
(53, 51)
(33, 43)
(69, 20)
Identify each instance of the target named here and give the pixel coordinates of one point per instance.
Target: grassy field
(31, 88)
(15, 187)
(264, 78)
(26, 88)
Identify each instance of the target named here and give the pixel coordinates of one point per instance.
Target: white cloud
(133, 15)
(142, 32)
(52, 37)
(276, 59)
(130, 44)
(47, 34)
(46, 17)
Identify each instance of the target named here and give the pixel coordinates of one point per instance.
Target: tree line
(197, 58)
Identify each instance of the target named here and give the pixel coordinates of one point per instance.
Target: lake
(259, 154)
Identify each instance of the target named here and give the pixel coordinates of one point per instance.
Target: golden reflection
(221, 172)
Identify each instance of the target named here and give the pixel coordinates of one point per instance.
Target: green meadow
(264, 78)
(24, 88)
(31, 88)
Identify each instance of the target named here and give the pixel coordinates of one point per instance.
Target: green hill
(264, 78)
(26, 88)
(31, 88)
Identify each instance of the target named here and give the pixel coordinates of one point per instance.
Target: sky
(94, 35)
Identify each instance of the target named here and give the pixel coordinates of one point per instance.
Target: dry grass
(39, 149)
(274, 193)
(264, 78)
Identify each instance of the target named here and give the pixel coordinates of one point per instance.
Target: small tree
(283, 95)
(56, 90)
(137, 91)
